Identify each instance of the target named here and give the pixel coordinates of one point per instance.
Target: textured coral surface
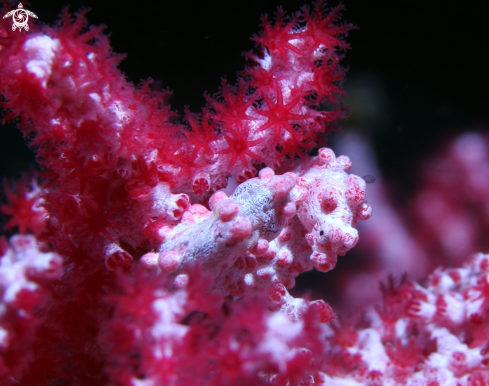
(135, 267)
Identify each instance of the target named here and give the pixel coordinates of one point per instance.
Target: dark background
(427, 59)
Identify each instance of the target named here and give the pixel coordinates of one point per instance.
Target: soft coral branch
(166, 279)
(149, 274)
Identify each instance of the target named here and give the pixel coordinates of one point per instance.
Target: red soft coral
(277, 37)
(131, 189)
(284, 115)
(232, 111)
(239, 145)
(321, 28)
(24, 206)
(202, 132)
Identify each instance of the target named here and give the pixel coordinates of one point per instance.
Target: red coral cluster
(141, 271)
(165, 279)
(432, 335)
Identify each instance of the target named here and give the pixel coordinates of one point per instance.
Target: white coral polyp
(21, 262)
(22, 268)
(40, 51)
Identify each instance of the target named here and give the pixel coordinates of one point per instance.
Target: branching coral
(140, 270)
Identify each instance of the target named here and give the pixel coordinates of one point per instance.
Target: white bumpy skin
(262, 235)
(334, 203)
